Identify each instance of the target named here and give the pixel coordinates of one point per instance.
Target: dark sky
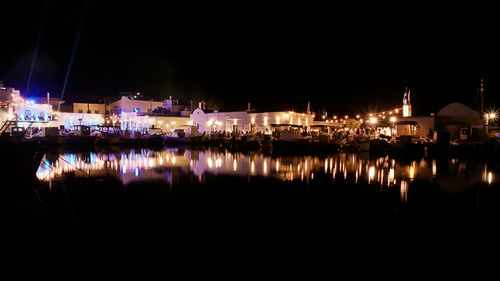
(344, 59)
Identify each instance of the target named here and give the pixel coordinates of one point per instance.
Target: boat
(266, 143)
(364, 146)
(246, 142)
(154, 140)
(180, 137)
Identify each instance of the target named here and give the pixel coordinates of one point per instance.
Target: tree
(352, 123)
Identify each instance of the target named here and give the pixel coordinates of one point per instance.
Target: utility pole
(481, 90)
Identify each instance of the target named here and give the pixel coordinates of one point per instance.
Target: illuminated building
(96, 108)
(126, 104)
(249, 121)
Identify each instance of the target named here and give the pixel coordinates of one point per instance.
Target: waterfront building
(136, 122)
(249, 121)
(126, 104)
(69, 119)
(458, 119)
(455, 119)
(56, 103)
(169, 123)
(8, 96)
(95, 108)
(175, 107)
(17, 108)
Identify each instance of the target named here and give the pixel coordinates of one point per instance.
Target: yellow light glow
(404, 191)
(393, 119)
(373, 120)
(412, 171)
(371, 173)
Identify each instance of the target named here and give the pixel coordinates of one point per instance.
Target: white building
(135, 122)
(132, 105)
(249, 121)
(70, 119)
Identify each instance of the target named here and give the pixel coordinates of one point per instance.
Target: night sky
(343, 59)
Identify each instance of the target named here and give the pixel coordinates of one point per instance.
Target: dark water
(358, 214)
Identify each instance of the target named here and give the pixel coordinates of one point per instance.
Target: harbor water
(399, 215)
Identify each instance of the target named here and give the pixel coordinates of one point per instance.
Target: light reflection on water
(168, 165)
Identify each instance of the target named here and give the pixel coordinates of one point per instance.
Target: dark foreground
(258, 225)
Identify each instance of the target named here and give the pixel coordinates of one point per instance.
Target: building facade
(125, 104)
(248, 121)
(135, 122)
(70, 119)
(95, 108)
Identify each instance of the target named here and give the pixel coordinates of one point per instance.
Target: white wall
(70, 119)
(128, 105)
(224, 121)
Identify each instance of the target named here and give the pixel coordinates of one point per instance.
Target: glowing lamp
(373, 120)
(392, 119)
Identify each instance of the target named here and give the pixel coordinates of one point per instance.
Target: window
(96, 111)
(80, 111)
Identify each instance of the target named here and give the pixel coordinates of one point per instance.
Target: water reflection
(170, 164)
